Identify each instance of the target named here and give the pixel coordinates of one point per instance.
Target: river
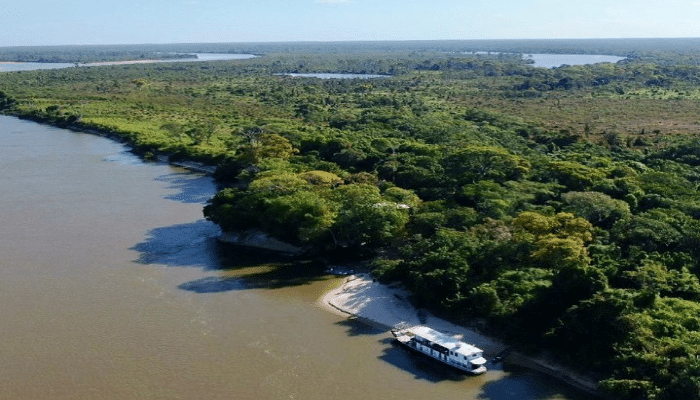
(112, 286)
(328, 75)
(557, 60)
(553, 60)
(31, 66)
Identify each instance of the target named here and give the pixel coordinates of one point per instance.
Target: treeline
(566, 220)
(88, 53)
(667, 51)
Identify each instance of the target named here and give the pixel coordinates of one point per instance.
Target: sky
(60, 22)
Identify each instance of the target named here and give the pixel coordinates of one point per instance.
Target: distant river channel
(558, 60)
(329, 75)
(112, 286)
(30, 66)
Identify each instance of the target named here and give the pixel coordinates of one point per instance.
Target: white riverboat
(442, 347)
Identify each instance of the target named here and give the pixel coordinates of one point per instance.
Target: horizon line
(351, 41)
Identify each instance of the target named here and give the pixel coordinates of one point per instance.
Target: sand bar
(387, 306)
(361, 297)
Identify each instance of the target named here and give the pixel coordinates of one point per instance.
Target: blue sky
(55, 22)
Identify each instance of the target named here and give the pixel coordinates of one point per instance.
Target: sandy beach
(387, 306)
(363, 298)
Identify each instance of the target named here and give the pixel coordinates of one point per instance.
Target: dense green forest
(556, 207)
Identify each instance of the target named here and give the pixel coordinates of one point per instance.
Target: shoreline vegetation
(362, 298)
(557, 206)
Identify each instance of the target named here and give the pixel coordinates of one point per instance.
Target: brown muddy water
(112, 287)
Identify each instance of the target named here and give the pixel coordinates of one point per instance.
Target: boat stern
(478, 371)
(478, 365)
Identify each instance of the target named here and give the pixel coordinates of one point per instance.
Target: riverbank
(386, 306)
(379, 305)
(145, 153)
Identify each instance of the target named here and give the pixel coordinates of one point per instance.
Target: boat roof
(442, 339)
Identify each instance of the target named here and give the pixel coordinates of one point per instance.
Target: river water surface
(31, 66)
(112, 287)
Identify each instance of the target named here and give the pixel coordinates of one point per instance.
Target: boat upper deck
(453, 344)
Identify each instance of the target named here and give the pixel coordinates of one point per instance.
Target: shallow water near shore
(112, 286)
